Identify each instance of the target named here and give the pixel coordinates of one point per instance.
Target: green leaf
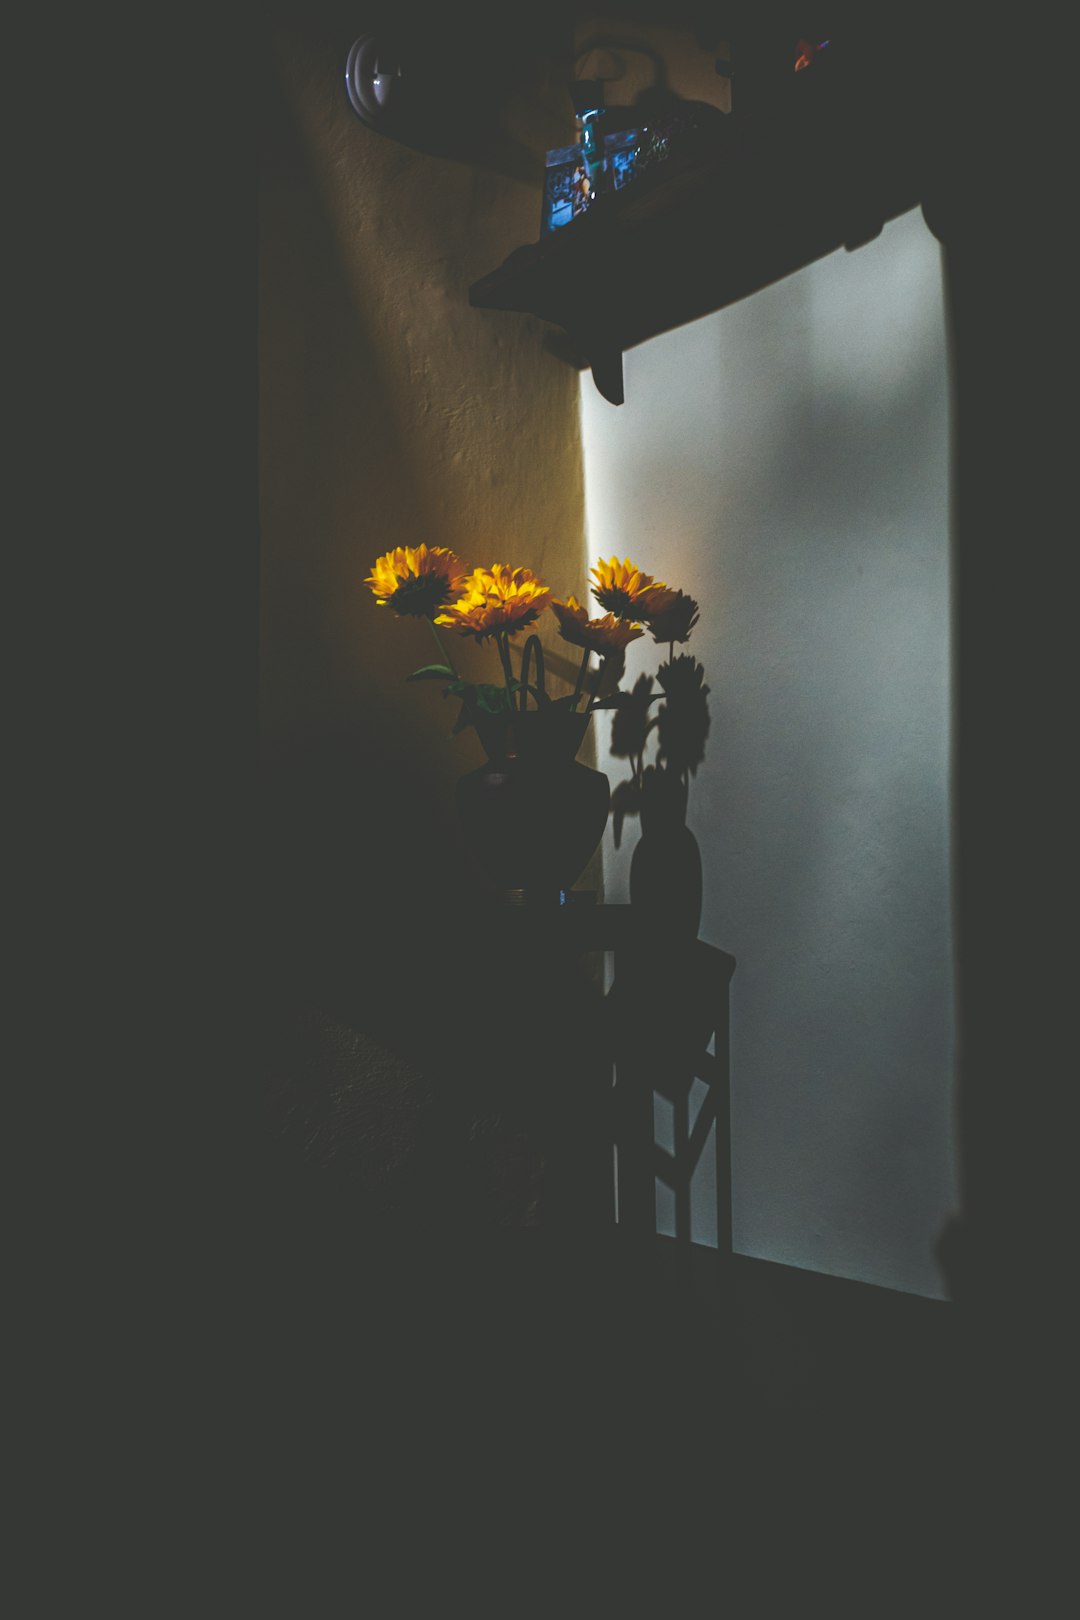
(494, 699)
(463, 721)
(430, 672)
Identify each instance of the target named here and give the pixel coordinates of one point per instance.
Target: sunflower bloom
(621, 586)
(670, 615)
(416, 580)
(496, 600)
(602, 636)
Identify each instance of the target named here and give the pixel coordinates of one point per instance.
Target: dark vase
(665, 871)
(533, 814)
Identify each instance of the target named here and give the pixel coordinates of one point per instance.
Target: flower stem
(502, 642)
(580, 677)
(447, 660)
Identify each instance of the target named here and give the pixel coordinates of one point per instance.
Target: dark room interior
(688, 1233)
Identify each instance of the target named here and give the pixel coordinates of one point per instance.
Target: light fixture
(372, 81)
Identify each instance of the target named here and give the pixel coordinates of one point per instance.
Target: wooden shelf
(824, 170)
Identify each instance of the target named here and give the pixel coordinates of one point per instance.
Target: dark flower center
(517, 623)
(421, 594)
(614, 600)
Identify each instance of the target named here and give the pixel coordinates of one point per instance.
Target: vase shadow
(665, 870)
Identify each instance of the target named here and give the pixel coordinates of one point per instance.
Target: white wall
(786, 462)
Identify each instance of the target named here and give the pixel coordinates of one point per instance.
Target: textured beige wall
(391, 413)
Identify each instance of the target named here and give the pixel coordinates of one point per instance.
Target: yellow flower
(416, 581)
(496, 599)
(621, 586)
(670, 615)
(605, 635)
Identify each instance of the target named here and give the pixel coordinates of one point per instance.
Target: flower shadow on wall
(665, 871)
